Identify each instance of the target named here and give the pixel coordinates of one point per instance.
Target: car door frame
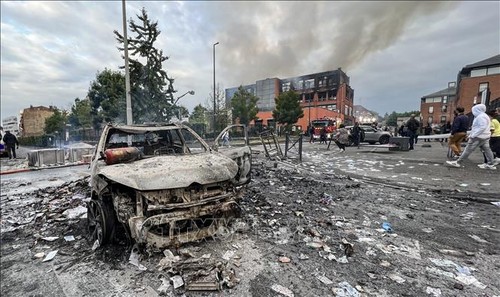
(241, 155)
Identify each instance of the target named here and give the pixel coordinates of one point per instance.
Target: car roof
(145, 127)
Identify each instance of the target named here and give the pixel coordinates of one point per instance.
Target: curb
(39, 168)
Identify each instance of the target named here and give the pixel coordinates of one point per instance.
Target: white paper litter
(50, 256)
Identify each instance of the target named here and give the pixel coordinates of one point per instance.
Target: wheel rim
(96, 221)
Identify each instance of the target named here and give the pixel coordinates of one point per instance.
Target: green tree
(56, 123)
(198, 119)
(199, 115)
(391, 120)
(80, 116)
(151, 88)
(107, 98)
(244, 106)
(288, 110)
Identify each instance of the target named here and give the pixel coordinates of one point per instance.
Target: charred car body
(164, 184)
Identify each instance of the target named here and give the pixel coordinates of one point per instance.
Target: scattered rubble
(315, 234)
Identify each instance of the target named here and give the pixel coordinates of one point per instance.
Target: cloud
(394, 52)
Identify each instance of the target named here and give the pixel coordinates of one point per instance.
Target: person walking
(479, 137)
(413, 126)
(356, 134)
(495, 136)
(427, 131)
(322, 136)
(11, 142)
(458, 131)
(311, 134)
(341, 138)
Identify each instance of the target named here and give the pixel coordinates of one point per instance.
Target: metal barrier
(271, 144)
(42, 157)
(59, 156)
(77, 154)
(288, 147)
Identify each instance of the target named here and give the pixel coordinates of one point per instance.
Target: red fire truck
(329, 124)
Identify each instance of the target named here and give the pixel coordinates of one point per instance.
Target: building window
(346, 111)
(286, 86)
(433, 100)
(444, 108)
(483, 87)
(321, 96)
(445, 99)
(309, 97)
(483, 92)
(429, 120)
(443, 119)
(323, 81)
(478, 72)
(332, 107)
(309, 84)
(493, 70)
(431, 109)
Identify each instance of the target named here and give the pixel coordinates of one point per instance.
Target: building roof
(487, 62)
(444, 92)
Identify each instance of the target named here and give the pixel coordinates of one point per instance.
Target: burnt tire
(100, 221)
(384, 139)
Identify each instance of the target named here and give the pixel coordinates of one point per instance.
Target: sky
(394, 52)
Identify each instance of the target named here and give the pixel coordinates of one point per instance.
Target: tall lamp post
(215, 121)
(127, 74)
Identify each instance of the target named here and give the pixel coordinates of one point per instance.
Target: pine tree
(152, 90)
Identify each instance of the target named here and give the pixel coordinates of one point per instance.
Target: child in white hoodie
(479, 137)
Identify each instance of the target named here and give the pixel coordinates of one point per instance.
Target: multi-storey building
(11, 124)
(479, 83)
(322, 95)
(33, 120)
(437, 108)
(476, 83)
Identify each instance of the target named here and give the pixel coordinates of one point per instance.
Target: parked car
(371, 135)
(164, 184)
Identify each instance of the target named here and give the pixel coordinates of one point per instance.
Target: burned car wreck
(163, 183)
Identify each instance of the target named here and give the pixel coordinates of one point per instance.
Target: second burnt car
(164, 184)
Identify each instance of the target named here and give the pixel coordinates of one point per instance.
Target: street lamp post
(176, 100)
(127, 73)
(215, 121)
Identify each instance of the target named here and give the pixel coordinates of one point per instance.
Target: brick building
(437, 108)
(476, 83)
(479, 83)
(323, 95)
(33, 120)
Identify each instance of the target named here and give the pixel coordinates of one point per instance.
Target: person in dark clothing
(458, 131)
(322, 136)
(356, 134)
(311, 134)
(427, 131)
(413, 126)
(11, 142)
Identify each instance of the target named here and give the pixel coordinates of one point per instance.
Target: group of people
(410, 129)
(485, 134)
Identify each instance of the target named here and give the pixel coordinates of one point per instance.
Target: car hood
(169, 172)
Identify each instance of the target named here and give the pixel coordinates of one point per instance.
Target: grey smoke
(308, 37)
